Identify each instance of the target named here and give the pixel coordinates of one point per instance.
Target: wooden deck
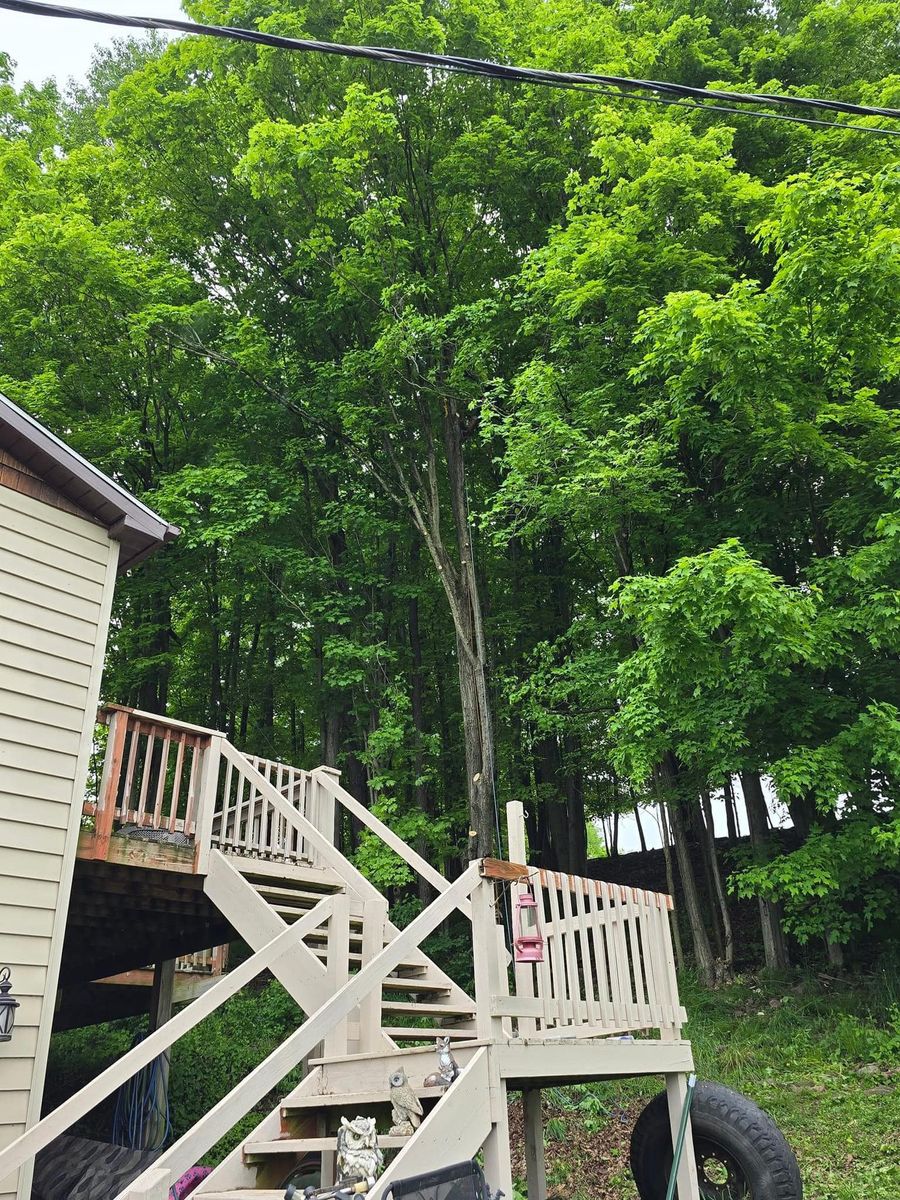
(258, 861)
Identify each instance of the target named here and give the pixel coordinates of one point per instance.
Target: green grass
(821, 1056)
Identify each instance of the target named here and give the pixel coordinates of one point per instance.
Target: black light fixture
(8, 1006)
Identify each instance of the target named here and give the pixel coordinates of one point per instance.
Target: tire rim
(720, 1175)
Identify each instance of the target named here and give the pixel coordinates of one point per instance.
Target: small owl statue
(406, 1107)
(358, 1155)
(448, 1068)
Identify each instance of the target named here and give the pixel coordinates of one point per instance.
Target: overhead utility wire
(740, 112)
(671, 93)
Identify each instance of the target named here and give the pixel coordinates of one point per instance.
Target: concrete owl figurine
(406, 1107)
(358, 1155)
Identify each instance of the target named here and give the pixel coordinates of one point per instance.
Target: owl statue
(406, 1107)
(358, 1155)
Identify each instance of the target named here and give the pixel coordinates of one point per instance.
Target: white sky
(45, 47)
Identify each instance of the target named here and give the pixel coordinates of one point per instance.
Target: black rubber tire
(729, 1130)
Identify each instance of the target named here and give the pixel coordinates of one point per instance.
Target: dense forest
(526, 443)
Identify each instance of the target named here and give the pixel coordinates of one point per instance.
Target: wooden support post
(524, 972)
(205, 805)
(160, 1012)
(486, 955)
(536, 1169)
(497, 1153)
(109, 782)
(336, 1040)
(339, 968)
(325, 819)
(688, 1184)
(515, 831)
(375, 915)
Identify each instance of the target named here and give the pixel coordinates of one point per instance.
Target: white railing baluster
(558, 955)
(640, 1004)
(176, 785)
(569, 934)
(544, 974)
(588, 968)
(604, 988)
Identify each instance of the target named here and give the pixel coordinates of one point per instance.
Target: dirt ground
(585, 1158)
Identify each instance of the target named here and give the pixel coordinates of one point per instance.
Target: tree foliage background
(525, 443)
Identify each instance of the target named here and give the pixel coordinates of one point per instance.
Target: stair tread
(392, 983)
(412, 1008)
(386, 1054)
(244, 1194)
(300, 871)
(350, 1100)
(429, 1033)
(292, 1145)
(282, 890)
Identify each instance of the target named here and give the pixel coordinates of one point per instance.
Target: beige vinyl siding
(57, 573)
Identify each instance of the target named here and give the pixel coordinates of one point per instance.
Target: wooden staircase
(262, 840)
(296, 1141)
(418, 1000)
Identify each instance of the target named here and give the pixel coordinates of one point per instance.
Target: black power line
(665, 92)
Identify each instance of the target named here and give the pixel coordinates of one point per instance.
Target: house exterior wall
(57, 577)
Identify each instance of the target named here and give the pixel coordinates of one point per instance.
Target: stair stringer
(455, 1129)
(232, 1172)
(301, 972)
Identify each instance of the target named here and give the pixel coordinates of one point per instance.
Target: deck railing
(169, 777)
(608, 964)
(151, 775)
(608, 967)
(243, 821)
(211, 962)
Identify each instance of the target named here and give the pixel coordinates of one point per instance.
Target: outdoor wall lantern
(8, 1006)
(528, 942)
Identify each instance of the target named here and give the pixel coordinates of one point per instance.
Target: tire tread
(715, 1104)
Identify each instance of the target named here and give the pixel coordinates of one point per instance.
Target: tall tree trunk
(460, 583)
(423, 794)
(577, 826)
(670, 882)
(803, 813)
(636, 809)
(156, 620)
(703, 955)
(721, 899)
(215, 663)
(774, 947)
(835, 954)
(667, 777)
(248, 683)
(696, 829)
(731, 813)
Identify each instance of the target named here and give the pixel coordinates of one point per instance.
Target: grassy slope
(821, 1057)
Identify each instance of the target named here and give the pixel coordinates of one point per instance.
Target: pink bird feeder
(528, 944)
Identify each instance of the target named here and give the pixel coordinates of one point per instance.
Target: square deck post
(688, 1183)
(536, 1167)
(497, 1153)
